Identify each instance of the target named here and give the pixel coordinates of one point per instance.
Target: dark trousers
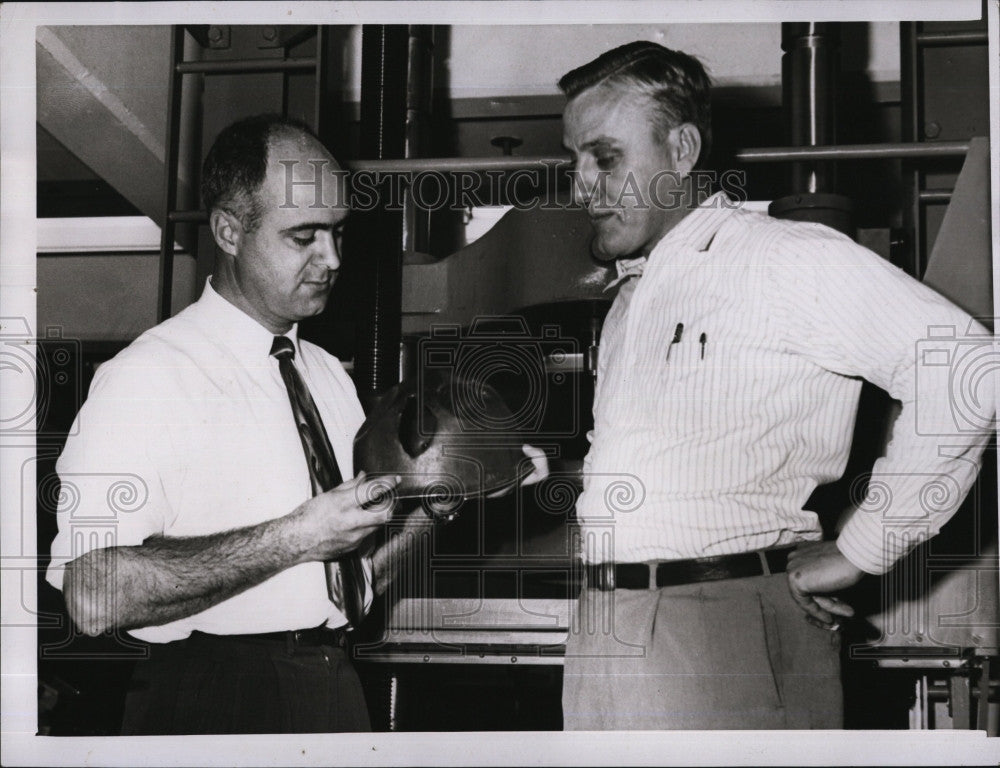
(208, 684)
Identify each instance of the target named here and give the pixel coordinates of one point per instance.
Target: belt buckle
(333, 637)
(607, 579)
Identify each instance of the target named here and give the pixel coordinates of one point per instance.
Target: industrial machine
(483, 600)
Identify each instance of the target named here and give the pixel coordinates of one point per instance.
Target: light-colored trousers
(731, 654)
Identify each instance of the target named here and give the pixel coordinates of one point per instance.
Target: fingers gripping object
(443, 434)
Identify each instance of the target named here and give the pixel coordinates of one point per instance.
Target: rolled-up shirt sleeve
(856, 315)
(110, 490)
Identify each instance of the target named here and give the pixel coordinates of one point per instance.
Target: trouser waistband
(294, 638)
(669, 573)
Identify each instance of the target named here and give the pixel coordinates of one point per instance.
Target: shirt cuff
(862, 542)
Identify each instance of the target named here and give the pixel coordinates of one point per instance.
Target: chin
(605, 251)
(311, 309)
(318, 309)
(602, 249)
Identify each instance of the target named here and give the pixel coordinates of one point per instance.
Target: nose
(326, 251)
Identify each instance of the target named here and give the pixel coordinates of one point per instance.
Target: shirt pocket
(693, 386)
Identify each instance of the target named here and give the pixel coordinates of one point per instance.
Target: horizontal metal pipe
(755, 155)
(972, 37)
(445, 164)
(246, 66)
(772, 154)
(524, 163)
(762, 155)
(571, 363)
(935, 195)
(943, 694)
(856, 152)
(199, 217)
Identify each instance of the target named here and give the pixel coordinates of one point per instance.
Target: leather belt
(293, 638)
(671, 573)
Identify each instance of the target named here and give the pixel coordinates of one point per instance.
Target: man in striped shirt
(730, 368)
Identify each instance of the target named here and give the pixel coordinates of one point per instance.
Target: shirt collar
(247, 338)
(695, 230)
(627, 268)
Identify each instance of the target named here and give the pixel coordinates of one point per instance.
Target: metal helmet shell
(438, 432)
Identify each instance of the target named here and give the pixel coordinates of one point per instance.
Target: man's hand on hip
(815, 572)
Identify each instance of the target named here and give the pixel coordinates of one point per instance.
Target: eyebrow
(600, 140)
(596, 142)
(316, 225)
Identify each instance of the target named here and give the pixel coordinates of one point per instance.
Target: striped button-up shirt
(728, 383)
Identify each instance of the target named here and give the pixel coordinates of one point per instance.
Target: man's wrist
(856, 559)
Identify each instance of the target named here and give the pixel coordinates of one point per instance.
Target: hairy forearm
(168, 578)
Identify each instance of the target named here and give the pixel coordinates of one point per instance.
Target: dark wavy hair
(236, 165)
(676, 84)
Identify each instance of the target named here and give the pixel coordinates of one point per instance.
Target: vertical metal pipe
(911, 80)
(321, 84)
(379, 232)
(808, 78)
(170, 168)
(194, 239)
(808, 75)
(419, 87)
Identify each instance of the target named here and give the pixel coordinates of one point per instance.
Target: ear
(227, 230)
(685, 144)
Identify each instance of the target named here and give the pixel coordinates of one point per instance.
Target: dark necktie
(345, 578)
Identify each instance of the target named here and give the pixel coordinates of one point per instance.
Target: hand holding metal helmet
(442, 434)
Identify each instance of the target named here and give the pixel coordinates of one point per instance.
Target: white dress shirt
(188, 432)
(709, 438)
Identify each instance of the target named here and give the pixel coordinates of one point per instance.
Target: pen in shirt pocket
(702, 340)
(678, 332)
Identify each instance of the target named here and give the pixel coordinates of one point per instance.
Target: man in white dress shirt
(728, 379)
(188, 515)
